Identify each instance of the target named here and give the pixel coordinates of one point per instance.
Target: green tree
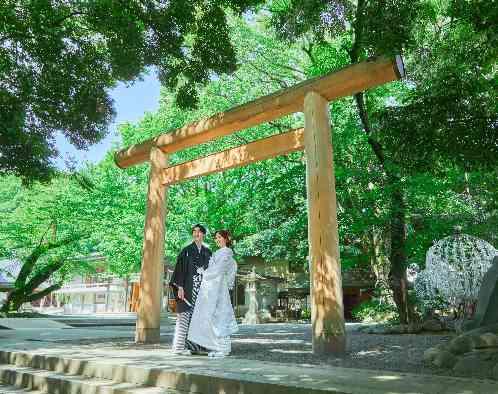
(45, 228)
(32, 275)
(364, 28)
(58, 61)
(264, 204)
(219, 200)
(449, 91)
(450, 108)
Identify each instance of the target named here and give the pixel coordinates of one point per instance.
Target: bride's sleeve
(217, 269)
(231, 274)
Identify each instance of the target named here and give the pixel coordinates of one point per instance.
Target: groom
(186, 281)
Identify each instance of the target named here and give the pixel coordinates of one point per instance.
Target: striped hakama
(180, 341)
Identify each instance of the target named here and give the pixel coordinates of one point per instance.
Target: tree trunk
(376, 260)
(14, 301)
(17, 297)
(397, 274)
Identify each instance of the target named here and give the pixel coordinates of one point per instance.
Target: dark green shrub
(375, 311)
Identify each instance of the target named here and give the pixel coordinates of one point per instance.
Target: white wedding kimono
(213, 320)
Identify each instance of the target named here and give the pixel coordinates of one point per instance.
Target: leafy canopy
(59, 59)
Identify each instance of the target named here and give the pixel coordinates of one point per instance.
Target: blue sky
(131, 103)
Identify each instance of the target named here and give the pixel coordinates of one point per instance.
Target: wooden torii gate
(311, 97)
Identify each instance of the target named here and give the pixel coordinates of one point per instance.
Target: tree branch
(84, 182)
(354, 54)
(43, 275)
(241, 138)
(45, 234)
(279, 126)
(39, 251)
(309, 51)
(283, 84)
(66, 17)
(263, 55)
(43, 293)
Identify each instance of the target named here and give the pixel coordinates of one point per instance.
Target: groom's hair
(201, 228)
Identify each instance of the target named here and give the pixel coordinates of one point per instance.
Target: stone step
(49, 382)
(198, 379)
(200, 375)
(104, 371)
(9, 389)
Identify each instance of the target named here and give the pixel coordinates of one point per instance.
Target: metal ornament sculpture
(455, 267)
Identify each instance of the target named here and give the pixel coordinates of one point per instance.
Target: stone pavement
(29, 356)
(24, 334)
(19, 323)
(37, 330)
(93, 320)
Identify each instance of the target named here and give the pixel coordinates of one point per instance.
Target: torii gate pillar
(327, 312)
(152, 271)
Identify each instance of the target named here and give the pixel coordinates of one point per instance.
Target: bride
(213, 320)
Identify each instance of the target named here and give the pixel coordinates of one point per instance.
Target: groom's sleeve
(178, 277)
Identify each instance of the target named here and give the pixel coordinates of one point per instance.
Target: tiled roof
(9, 269)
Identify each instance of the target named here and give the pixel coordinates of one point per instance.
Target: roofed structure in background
(9, 269)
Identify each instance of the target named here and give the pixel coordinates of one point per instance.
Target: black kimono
(185, 275)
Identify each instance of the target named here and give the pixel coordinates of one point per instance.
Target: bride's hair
(225, 234)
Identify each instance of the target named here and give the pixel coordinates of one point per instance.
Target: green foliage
(306, 314)
(44, 213)
(45, 228)
(379, 27)
(264, 204)
(443, 115)
(450, 110)
(58, 61)
(375, 311)
(236, 199)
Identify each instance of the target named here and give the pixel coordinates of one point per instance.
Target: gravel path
(291, 343)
